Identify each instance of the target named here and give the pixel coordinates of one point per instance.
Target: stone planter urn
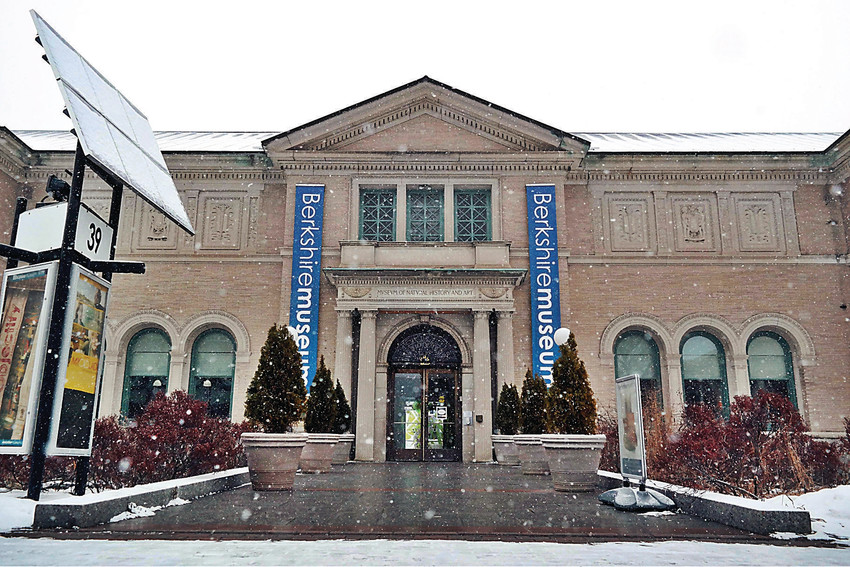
(573, 460)
(506, 451)
(343, 449)
(318, 452)
(532, 457)
(273, 458)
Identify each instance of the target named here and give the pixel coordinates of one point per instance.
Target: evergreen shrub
(322, 404)
(532, 405)
(343, 411)
(276, 394)
(507, 410)
(570, 407)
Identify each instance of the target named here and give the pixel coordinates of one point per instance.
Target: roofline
(427, 79)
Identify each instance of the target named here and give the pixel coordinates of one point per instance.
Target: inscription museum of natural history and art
(714, 265)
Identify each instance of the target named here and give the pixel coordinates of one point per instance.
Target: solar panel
(111, 131)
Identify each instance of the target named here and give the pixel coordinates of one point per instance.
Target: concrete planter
(506, 451)
(318, 452)
(343, 449)
(273, 458)
(573, 460)
(532, 457)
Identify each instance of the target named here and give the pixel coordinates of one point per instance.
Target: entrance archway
(424, 396)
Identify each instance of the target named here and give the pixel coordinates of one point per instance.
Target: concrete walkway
(411, 500)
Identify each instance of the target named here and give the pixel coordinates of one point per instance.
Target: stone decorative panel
(694, 223)
(156, 232)
(759, 222)
(629, 226)
(222, 223)
(254, 214)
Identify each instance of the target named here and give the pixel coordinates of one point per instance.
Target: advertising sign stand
(633, 454)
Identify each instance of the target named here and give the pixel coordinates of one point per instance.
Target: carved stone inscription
(629, 224)
(759, 224)
(694, 222)
(222, 224)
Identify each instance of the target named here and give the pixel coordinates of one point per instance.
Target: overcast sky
(587, 66)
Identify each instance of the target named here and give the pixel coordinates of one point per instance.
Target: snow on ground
(830, 512)
(21, 551)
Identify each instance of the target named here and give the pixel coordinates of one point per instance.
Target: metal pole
(84, 463)
(57, 323)
(20, 207)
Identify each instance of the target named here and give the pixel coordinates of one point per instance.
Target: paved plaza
(412, 501)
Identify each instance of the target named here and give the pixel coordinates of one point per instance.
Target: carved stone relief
(694, 223)
(156, 232)
(629, 226)
(759, 223)
(222, 222)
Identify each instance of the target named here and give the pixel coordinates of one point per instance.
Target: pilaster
(365, 434)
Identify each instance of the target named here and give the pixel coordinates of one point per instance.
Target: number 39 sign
(94, 235)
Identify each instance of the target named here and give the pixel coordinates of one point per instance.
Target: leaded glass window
(636, 352)
(770, 365)
(472, 215)
(377, 215)
(145, 371)
(213, 365)
(425, 214)
(704, 371)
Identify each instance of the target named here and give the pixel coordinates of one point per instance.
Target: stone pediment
(426, 116)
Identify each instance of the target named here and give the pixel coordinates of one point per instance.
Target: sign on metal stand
(54, 311)
(633, 453)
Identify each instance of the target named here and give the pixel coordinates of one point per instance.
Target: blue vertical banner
(306, 274)
(545, 280)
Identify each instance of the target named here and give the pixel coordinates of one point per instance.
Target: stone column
(739, 380)
(365, 440)
(482, 432)
(344, 342)
(112, 388)
(505, 355)
(674, 405)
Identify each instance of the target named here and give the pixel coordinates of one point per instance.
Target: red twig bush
(174, 438)
(764, 448)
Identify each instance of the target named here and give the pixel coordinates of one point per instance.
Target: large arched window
(146, 370)
(704, 371)
(213, 365)
(770, 365)
(636, 352)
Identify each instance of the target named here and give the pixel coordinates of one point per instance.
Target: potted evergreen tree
(342, 427)
(320, 423)
(532, 406)
(507, 424)
(572, 448)
(274, 403)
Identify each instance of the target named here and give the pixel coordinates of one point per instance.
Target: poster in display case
(27, 296)
(81, 365)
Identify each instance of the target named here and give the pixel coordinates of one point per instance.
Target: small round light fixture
(561, 336)
(207, 383)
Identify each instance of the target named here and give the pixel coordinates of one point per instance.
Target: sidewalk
(411, 501)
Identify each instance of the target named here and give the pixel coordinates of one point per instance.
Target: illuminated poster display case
(27, 296)
(81, 365)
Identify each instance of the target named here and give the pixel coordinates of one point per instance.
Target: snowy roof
(618, 142)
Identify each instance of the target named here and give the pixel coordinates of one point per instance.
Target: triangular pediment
(426, 116)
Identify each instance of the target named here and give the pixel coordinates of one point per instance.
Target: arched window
(213, 365)
(146, 370)
(704, 371)
(770, 365)
(636, 352)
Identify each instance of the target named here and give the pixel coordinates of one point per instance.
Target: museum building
(427, 242)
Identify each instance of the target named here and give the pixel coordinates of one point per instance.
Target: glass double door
(424, 424)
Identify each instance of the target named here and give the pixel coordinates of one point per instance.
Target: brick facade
(664, 243)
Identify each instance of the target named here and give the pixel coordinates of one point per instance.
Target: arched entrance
(424, 396)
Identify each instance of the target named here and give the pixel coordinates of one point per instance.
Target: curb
(755, 516)
(99, 508)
